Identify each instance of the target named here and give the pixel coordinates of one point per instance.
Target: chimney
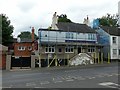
(54, 21)
(33, 33)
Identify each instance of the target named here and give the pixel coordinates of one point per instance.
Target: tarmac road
(91, 76)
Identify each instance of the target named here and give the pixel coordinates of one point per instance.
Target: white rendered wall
(119, 12)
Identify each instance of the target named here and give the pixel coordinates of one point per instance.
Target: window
(60, 50)
(69, 35)
(69, 49)
(114, 40)
(91, 37)
(119, 51)
(114, 51)
(21, 48)
(91, 49)
(50, 49)
(29, 48)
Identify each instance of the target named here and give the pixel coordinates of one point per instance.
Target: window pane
(46, 50)
(71, 49)
(53, 50)
(59, 50)
(114, 39)
(114, 51)
(49, 49)
(119, 51)
(66, 49)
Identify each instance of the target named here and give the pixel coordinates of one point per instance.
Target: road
(75, 77)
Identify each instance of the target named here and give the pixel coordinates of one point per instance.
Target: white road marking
(69, 80)
(71, 71)
(99, 75)
(44, 82)
(110, 75)
(39, 87)
(80, 78)
(57, 81)
(115, 74)
(30, 84)
(91, 77)
(109, 84)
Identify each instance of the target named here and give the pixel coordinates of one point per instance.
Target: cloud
(25, 6)
(38, 13)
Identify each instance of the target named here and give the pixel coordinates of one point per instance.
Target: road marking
(71, 71)
(69, 80)
(80, 78)
(30, 84)
(109, 75)
(44, 82)
(39, 87)
(57, 81)
(99, 75)
(91, 77)
(109, 84)
(117, 74)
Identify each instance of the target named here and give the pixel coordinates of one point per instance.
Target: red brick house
(3, 53)
(23, 49)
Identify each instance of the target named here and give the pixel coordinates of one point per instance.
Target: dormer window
(21, 48)
(29, 48)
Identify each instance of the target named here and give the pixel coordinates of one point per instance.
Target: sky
(38, 13)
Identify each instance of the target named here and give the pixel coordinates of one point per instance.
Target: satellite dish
(18, 39)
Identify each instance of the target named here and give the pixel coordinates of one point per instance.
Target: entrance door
(79, 50)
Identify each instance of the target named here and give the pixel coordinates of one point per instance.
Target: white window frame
(69, 49)
(21, 48)
(114, 41)
(50, 49)
(92, 49)
(114, 51)
(29, 48)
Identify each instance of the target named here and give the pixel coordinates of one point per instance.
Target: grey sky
(38, 13)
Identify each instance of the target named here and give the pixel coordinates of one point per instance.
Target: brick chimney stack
(33, 33)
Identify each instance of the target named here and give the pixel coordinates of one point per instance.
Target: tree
(26, 34)
(108, 20)
(7, 30)
(63, 18)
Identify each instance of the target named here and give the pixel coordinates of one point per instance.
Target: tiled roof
(111, 30)
(75, 27)
(25, 40)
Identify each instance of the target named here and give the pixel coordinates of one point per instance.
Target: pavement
(105, 64)
(79, 66)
